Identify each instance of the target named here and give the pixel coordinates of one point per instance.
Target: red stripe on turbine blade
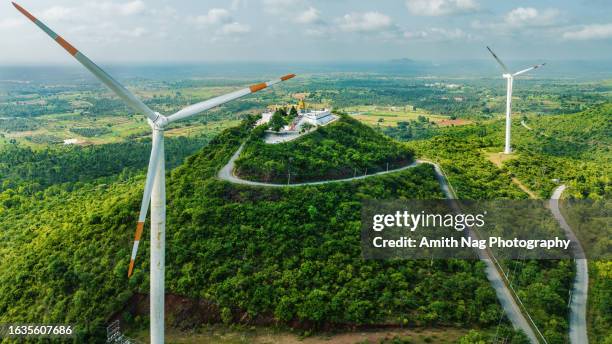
(24, 12)
(69, 48)
(131, 269)
(287, 77)
(258, 87)
(139, 228)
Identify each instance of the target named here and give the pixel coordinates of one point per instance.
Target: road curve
(227, 173)
(504, 295)
(578, 302)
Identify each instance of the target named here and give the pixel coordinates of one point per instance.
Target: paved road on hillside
(227, 173)
(578, 302)
(504, 295)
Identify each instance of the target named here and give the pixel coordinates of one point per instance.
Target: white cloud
(133, 7)
(364, 22)
(438, 34)
(311, 15)
(521, 18)
(318, 32)
(10, 23)
(215, 16)
(415, 34)
(589, 32)
(450, 33)
(124, 9)
(529, 16)
(135, 32)
(57, 13)
(293, 11)
(235, 5)
(106, 32)
(222, 20)
(440, 7)
(234, 28)
(280, 6)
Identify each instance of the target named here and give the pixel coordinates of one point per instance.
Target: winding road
(227, 173)
(580, 289)
(578, 301)
(504, 295)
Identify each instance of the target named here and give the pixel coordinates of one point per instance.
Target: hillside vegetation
(542, 285)
(574, 148)
(289, 255)
(29, 171)
(342, 149)
(577, 150)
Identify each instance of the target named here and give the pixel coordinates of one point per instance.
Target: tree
(277, 121)
(306, 127)
(473, 337)
(293, 112)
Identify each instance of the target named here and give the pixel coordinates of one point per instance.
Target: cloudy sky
(308, 30)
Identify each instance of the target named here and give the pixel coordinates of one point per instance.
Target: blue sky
(308, 30)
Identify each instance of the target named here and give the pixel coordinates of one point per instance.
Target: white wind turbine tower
(510, 78)
(154, 190)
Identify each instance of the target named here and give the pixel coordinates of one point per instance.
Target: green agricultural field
(104, 129)
(386, 116)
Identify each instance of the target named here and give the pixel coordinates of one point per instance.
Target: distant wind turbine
(155, 188)
(510, 78)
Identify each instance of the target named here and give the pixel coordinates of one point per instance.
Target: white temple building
(297, 128)
(318, 117)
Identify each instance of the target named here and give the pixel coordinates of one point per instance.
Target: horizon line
(202, 62)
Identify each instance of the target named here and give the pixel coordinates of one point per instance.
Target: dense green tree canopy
(341, 149)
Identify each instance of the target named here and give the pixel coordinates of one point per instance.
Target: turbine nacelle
(507, 76)
(160, 122)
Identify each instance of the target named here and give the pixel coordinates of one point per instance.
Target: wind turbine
(510, 78)
(154, 190)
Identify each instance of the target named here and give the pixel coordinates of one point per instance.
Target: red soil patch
(448, 122)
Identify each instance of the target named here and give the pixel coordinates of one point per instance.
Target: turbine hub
(507, 75)
(160, 122)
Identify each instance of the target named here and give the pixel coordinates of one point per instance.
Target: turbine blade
(146, 197)
(211, 103)
(123, 93)
(528, 69)
(499, 61)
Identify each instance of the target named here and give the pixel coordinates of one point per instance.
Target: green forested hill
(542, 285)
(573, 148)
(289, 254)
(30, 171)
(585, 135)
(342, 149)
(577, 150)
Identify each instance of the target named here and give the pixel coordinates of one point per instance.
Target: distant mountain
(404, 60)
